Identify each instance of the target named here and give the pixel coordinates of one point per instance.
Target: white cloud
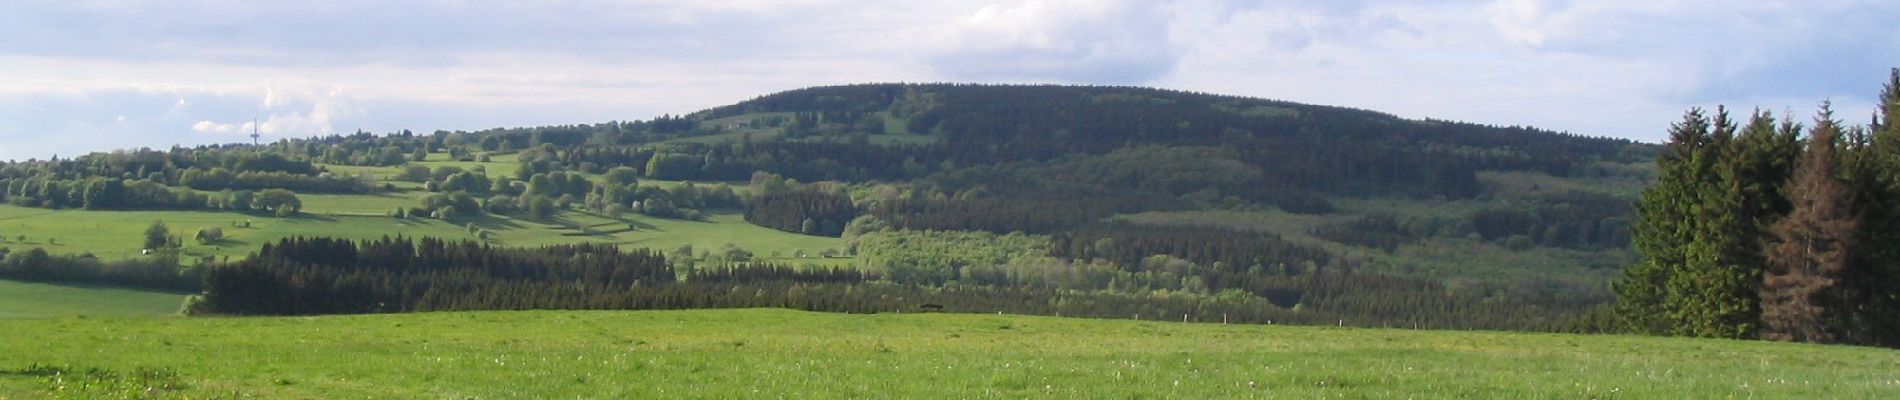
(296, 111)
(272, 100)
(183, 72)
(213, 127)
(1520, 21)
(1120, 41)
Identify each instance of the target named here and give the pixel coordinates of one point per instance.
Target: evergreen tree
(1873, 170)
(1811, 249)
(1665, 227)
(1885, 276)
(1714, 289)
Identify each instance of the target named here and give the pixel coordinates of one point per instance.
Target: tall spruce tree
(1811, 249)
(1665, 227)
(1886, 281)
(1719, 282)
(1759, 164)
(1713, 292)
(1699, 227)
(1873, 170)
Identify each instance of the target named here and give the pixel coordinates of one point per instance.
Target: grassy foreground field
(790, 354)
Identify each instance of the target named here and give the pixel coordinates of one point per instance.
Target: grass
(372, 204)
(498, 165)
(719, 228)
(764, 353)
(120, 234)
(115, 235)
(40, 300)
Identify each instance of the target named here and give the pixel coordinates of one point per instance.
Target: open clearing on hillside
(118, 234)
(113, 235)
(42, 300)
(778, 353)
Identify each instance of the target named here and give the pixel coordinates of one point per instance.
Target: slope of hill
(1128, 193)
(779, 353)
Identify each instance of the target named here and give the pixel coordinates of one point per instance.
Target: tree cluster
(330, 276)
(1747, 234)
(114, 194)
(811, 212)
(1226, 251)
(161, 272)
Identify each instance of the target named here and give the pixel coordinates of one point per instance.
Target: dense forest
(325, 276)
(1758, 230)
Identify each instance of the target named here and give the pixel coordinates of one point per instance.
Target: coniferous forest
(1772, 228)
(303, 276)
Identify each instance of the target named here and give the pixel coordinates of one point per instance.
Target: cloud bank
(95, 75)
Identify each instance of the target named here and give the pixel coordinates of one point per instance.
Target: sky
(92, 75)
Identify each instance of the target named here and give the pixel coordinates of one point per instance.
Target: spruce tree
(1713, 291)
(1874, 173)
(1810, 250)
(1699, 228)
(1885, 279)
(1664, 228)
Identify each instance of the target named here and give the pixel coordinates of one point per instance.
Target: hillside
(1132, 199)
(774, 353)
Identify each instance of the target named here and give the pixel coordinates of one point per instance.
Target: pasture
(770, 353)
(118, 234)
(41, 300)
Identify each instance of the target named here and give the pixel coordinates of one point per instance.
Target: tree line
(332, 276)
(162, 272)
(1759, 231)
(1220, 250)
(299, 276)
(114, 194)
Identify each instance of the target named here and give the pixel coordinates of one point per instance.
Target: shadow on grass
(224, 243)
(304, 216)
(88, 285)
(486, 221)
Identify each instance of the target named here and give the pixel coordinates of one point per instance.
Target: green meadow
(41, 300)
(118, 234)
(770, 353)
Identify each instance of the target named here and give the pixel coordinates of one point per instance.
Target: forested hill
(1142, 201)
(1105, 117)
(1330, 149)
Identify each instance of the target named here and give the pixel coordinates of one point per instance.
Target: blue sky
(89, 75)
